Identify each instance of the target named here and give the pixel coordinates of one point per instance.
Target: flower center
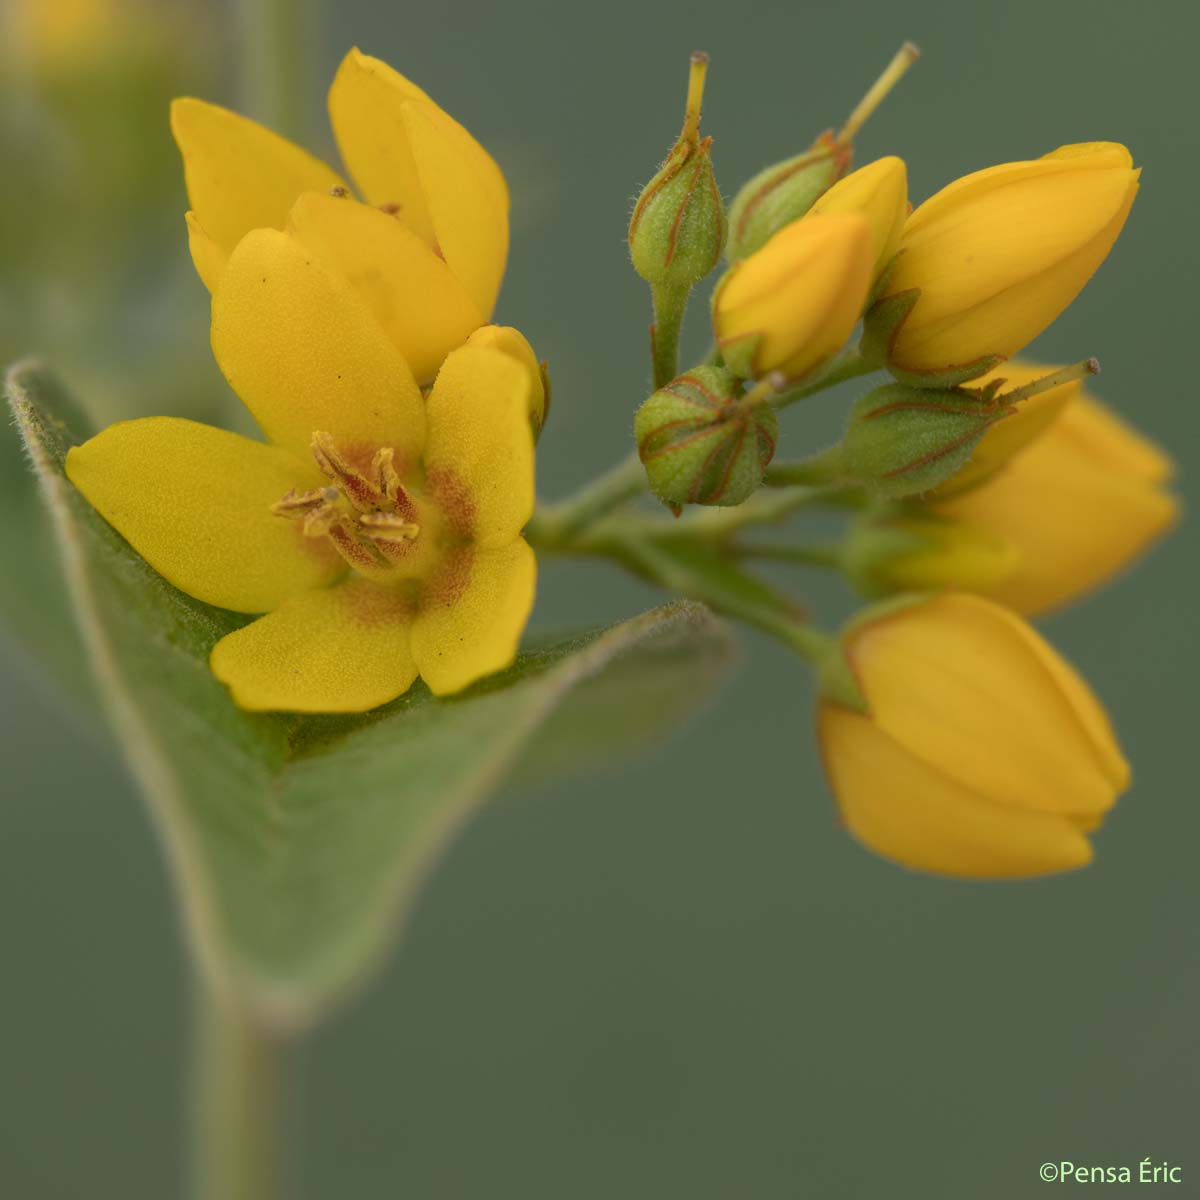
(380, 528)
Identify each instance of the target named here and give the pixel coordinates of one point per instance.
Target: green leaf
(298, 843)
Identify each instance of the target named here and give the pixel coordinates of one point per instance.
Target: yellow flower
(425, 249)
(982, 753)
(1079, 504)
(380, 530)
(998, 254)
(879, 191)
(792, 304)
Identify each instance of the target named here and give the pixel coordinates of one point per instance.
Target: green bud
(903, 440)
(783, 193)
(677, 231)
(700, 444)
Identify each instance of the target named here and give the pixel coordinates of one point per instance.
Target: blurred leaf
(298, 842)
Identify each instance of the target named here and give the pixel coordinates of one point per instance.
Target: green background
(679, 977)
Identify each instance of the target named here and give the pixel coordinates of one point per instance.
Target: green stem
(669, 306)
(276, 36)
(822, 468)
(237, 1107)
(849, 364)
(554, 525)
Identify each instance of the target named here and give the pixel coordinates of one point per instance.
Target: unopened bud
(677, 231)
(904, 440)
(701, 444)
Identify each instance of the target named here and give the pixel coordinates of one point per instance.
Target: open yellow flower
(1079, 504)
(380, 531)
(982, 753)
(998, 254)
(425, 249)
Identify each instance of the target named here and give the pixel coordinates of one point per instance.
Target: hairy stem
(554, 525)
(848, 364)
(669, 306)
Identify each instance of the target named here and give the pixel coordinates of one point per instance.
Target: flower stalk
(238, 1103)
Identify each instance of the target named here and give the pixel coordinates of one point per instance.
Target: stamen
(320, 521)
(383, 467)
(357, 488)
(357, 553)
(298, 504)
(388, 527)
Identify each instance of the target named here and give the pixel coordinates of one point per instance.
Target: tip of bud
(1093, 366)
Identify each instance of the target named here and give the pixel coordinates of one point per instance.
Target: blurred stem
(276, 36)
(238, 1094)
(829, 555)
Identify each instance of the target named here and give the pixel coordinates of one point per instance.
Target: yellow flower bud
(1079, 504)
(981, 753)
(998, 254)
(792, 304)
(879, 191)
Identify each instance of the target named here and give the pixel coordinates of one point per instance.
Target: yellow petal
(415, 297)
(240, 175)
(404, 151)
(479, 455)
(470, 225)
(1075, 520)
(956, 680)
(343, 649)
(906, 811)
(304, 353)
(790, 305)
(207, 257)
(1096, 432)
(879, 192)
(472, 615)
(514, 343)
(195, 503)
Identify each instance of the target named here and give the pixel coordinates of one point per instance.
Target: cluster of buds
(984, 489)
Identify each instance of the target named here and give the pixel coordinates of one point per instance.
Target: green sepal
(901, 440)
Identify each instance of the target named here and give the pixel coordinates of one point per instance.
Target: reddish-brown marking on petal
(453, 499)
(450, 579)
(378, 604)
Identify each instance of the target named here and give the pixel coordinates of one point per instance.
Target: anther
(357, 488)
(388, 527)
